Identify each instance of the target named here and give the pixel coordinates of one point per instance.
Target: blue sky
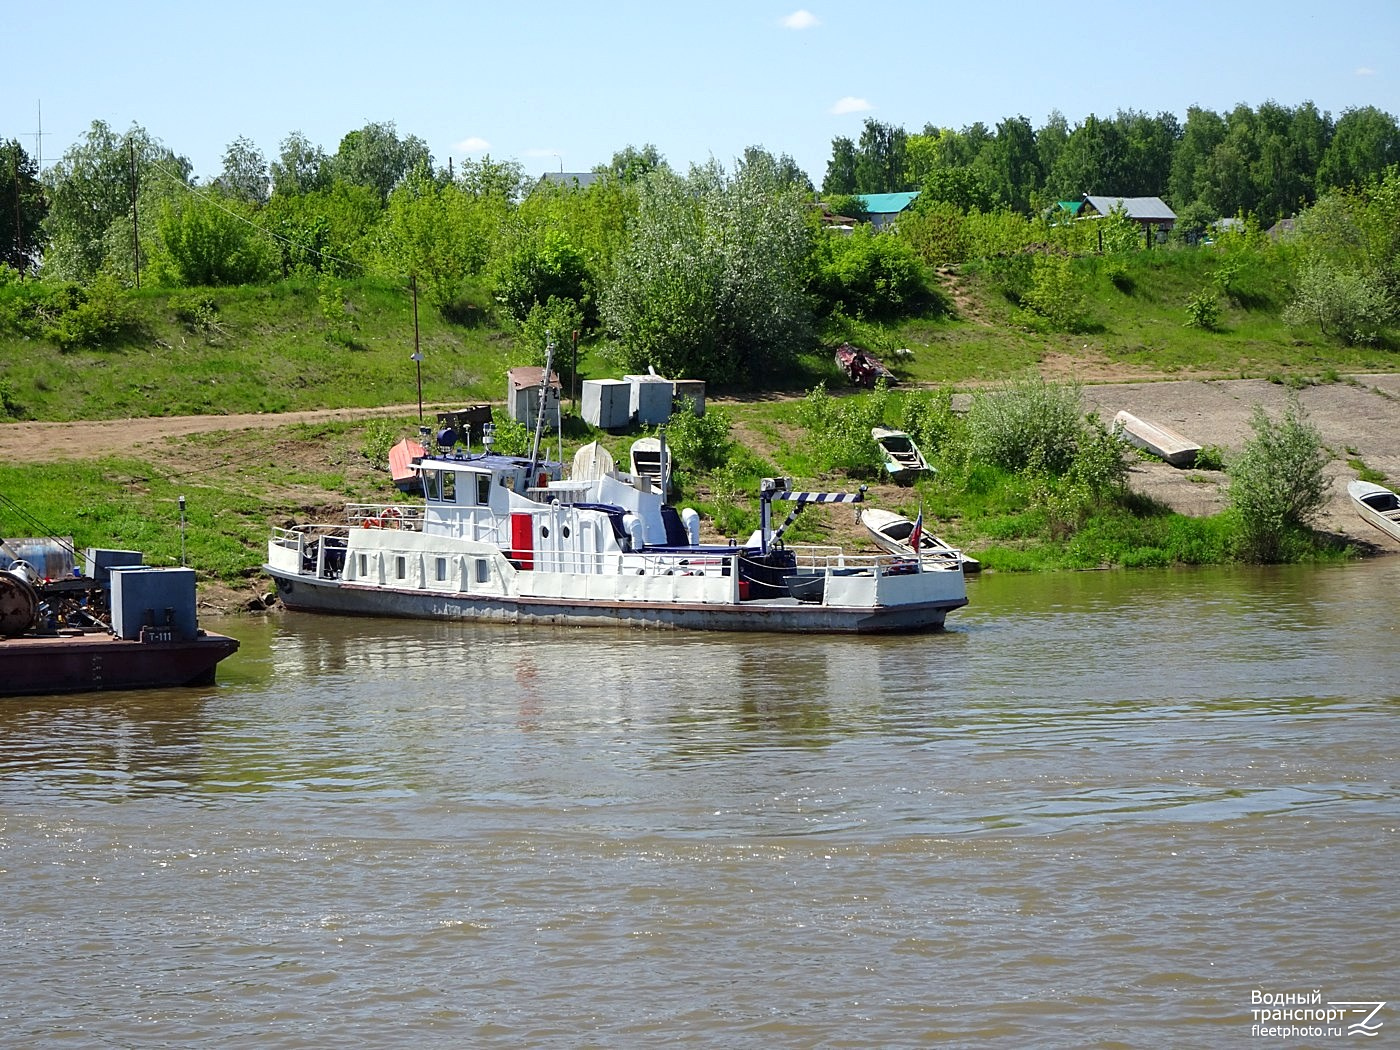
(558, 85)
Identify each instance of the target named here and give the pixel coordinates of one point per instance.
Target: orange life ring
(392, 518)
(370, 523)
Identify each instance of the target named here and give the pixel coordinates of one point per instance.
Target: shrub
(701, 442)
(1203, 311)
(541, 268)
(871, 275)
(841, 427)
(928, 418)
(1055, 293)
(1026, 424)
(1350, 304)
(1277, 486)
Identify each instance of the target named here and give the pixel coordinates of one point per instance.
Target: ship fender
(690, 518)
(632, 525)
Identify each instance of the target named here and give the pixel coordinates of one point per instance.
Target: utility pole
(417, 353)
(135, 229)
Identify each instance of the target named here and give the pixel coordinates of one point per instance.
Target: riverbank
(1358, 418)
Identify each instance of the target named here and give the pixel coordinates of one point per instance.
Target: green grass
(271, 349)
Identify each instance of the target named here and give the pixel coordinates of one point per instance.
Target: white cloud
(850, 104)
(1365, 71)
(801, 19)
(473, 144)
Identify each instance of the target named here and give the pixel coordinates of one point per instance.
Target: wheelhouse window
(483, 490)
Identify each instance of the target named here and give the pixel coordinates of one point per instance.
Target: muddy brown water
(1103, 809)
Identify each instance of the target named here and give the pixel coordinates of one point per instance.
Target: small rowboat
(1378, 505)
(860, 368)
(902, 459)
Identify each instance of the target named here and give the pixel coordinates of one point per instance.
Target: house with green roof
(885, 207)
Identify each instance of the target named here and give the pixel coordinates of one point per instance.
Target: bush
(699, 442)
(928, 418)
(541, 268)
(1055, 294)
(840, 429)
(1203, 311)
(1026, 424)
(871, 275)
(1276, 486)
(1352, 305)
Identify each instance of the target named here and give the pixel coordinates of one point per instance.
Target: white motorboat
(1378, 505)
(895, 533)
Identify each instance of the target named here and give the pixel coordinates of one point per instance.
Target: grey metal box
(150, 597)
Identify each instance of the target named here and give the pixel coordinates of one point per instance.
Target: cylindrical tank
(19, 604)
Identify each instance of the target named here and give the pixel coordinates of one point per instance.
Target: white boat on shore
(505, 538)
(651, 459)
(1163, 442)
(895, 533)
(1377, 505)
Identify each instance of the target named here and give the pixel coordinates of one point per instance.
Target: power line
(214, 201)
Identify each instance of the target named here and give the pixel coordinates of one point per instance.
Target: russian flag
(916, 537)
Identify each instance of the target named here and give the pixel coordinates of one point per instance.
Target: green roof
(884, 203)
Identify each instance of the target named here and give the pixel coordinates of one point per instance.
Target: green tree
(1277, 486)
(22, 208)
(540, 266)
(1366, 142)
(206, 241)
(329, 230)
(501, 179)
(375, 156)
(1015, 163)
(301, 167)
(435, 235)
(90, 191)
(1149, 143)
(1050, 143)
(880, 159)
(710, 284)
(1092, 161)
(630, 165)
(245, 176)
(841, 168)
(1202, 132)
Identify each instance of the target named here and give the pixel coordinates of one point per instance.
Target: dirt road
(1359, 419)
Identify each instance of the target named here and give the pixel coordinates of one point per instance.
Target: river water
(1101, 809)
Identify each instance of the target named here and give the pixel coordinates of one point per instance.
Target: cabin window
(430, 485)
(483, 571)
(400, 566)
(363, 570)
(449, 486)
(483, 489)
(441, 570)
